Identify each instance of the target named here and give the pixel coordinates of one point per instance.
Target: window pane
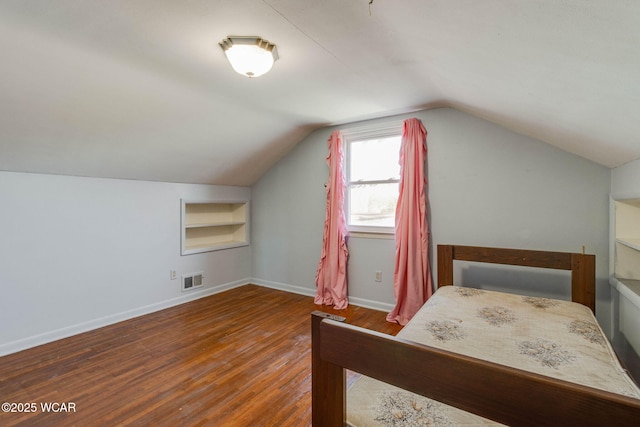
(375, 159)
(373, 204)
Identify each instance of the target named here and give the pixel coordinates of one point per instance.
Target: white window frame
(376, 131)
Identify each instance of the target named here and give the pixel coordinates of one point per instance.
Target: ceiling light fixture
(249, 56)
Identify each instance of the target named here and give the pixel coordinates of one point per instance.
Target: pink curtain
(412, 276)
(331, 276)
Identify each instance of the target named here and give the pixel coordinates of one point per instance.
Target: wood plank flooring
(238, 358)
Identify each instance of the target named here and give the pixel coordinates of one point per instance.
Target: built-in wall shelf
(627, 239)
(625, 263)
(214, 225)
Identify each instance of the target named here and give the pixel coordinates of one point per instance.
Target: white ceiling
(140, 89)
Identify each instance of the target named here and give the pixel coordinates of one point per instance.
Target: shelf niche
(214, 225)
(627, 238)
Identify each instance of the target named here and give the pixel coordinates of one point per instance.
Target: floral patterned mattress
(564, 342)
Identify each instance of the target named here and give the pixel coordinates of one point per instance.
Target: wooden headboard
(582, 266)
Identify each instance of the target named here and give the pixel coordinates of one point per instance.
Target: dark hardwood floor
(238, 358)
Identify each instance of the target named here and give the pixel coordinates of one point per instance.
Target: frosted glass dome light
(249, 56)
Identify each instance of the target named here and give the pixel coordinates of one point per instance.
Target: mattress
(550, 337)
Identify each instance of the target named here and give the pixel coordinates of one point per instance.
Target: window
(372, 177)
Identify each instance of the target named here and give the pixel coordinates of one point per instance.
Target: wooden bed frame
(500, 393)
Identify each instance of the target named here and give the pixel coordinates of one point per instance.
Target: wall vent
(192, 281)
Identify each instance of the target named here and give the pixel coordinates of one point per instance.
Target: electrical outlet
(378, 276)
(173, 275)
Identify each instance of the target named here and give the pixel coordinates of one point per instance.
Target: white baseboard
(361, 302)
(374, 305)
(284, 287)
(47, 337)
(57, 334)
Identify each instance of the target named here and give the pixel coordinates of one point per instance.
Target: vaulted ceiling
(140, 89)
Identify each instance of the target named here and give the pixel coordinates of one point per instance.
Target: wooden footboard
(503, 394)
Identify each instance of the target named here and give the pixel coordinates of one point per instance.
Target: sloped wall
(79, 253)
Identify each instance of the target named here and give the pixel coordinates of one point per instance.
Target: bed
(477, 357)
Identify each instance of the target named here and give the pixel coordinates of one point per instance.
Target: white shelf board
(630, 242)
(194, 249)
(629, 288)
(215, 224)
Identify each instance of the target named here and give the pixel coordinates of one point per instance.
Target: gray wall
(80, 253)
(625, 180)
(487, 186)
